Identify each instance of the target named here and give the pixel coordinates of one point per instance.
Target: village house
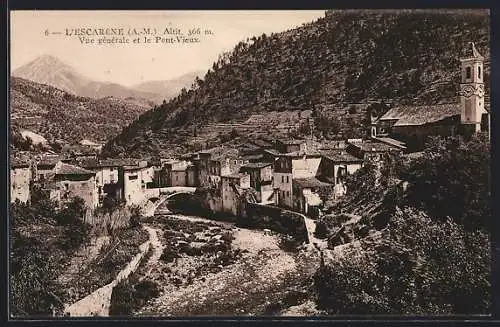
(109, 176)
(133, 186)
(175, 172)
(261, 179)
(288, 146)
(71, 181)
(336, 165)
(415, 124)
(233, 186)
(179, 176)
(20, 180)
(373, 149)
(44, 169)
(191, 175)
(309, 195)
(216, 162)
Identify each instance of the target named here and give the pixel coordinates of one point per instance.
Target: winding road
(98, 302)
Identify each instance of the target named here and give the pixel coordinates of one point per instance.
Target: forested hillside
(58, 115)
(342, 59)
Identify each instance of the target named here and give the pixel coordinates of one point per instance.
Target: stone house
(179, 176)
(233, 186)
(261, 179)
(133, 184)
(337, 164)
(191, 175)
(287, 146)
(20, 180)
(109, 176)
(282, 181)
(44, 169)
(72, 181)
(216, 162)
(309, 194)
(373, 149)
(289, 166)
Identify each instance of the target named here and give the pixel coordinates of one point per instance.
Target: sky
(130, 64)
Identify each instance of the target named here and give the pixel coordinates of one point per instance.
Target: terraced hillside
(345, 59)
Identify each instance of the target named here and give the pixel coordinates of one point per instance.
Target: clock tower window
(478, 71)
(468, 72)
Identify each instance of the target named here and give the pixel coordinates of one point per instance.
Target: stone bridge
(158, 196)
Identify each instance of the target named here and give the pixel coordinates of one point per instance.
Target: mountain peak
(50, 70)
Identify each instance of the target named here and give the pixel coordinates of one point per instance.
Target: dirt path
(98, 302)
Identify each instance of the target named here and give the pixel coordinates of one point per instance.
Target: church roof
(420, 115)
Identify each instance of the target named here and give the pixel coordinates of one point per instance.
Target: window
(287, 194)
(176, 178)
(282, 179)
(132, 177)
(287, 180)
(478, 71)
(468, 72)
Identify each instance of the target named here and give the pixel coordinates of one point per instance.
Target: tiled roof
(94, 163)
(376, 146)
(292, 142)
(420, 115)
(392, 141)
(300, 154)
(67, 169)
(19, 164)
(252, 157)
(311, 182)
(48, 162)
(235, 176)
(340, 156)
(256, 165)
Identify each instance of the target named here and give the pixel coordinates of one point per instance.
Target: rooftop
(311, 182)
(420, 115)
(340, 156)
(292, 142)
(67, 169)
(235, 176)
(373, 145)
(300, 154)
(256, 165)
(19, 164)
(95, 163)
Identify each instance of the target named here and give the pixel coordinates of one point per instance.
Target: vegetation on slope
(433, 256)
(345, 57)
(58, 115)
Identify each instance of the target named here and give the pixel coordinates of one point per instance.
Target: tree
(453, 179)
(420, 266)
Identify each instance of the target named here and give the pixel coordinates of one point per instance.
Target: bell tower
(472, 90)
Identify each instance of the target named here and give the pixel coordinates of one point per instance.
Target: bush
(453, 179)
(420, 267)
(289, 243)
(169, 254)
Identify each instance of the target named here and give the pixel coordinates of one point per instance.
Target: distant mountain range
(52, 71)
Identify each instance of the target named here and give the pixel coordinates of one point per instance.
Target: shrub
(420, 267)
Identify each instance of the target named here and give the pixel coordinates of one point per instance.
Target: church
(415, 124)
